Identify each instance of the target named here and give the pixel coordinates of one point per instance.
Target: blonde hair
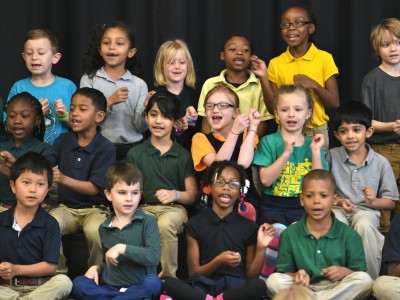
(223, 88)
(36, 34)
(392, 25)
(295, 292)
(165, 54)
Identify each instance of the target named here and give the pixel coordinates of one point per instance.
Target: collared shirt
(88, 163)
(299, 249)
(316, 64)
(166, 171)
(375, 172)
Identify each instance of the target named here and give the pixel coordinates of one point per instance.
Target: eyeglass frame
(226, 182)
(218, 105)
(303, 23)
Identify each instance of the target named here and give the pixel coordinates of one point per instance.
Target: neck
(43, 79)
(115, 72)
(24, 215)
(319, 227)
(300, 50)
(357, 157)
(223, 131)
(162, 144)
(221, 211)
(237, 77)
(175, 87)
(121, 220)
(392, 70)
(86, 137)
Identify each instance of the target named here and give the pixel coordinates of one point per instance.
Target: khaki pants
(387, 288)
(323, 129)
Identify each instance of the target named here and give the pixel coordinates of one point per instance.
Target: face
(159, 125)
(353, 136)
(124, 198)
(115, 48)
(175, 70)
(83, 115)
(39, 57)
(292, 111)
(296, 36)
(225, 196)
(236, 54)
(389, 49)
(317, 198)
(30, 189)
(21, 120)
(220, 118)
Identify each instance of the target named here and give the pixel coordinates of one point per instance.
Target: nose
(32, 188)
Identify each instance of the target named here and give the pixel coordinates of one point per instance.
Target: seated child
(82, 158)
(319, 251)
(225, 250)
(365, 180)
(30, 238)
(130, 243)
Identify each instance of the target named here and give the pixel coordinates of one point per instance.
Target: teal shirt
(31, 144)
(299, 249)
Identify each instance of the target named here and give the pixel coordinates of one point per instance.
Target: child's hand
(254, 119)
(230, 258)
(265, 235)
(396, 126)
(113, 253)
(45, 106)
(335, 273)
(240, 124)
(191, 115)
(60, 108)
(93, 273)
(289, 144)
(119, 96)
(58, 177)
(7, 159)
(7, 270)
(165, 196)
(369, 195)
(305, 81)
(258, 67)
(302, 278)
(317, 142)
(149, 95)
(347, 205)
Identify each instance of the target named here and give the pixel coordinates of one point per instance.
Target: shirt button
(318, 251)
(79, 159)
(355, 171)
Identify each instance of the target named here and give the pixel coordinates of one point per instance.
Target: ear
(37, 121)
(335, 133)
(236, 112)
(100, 115)
(222, 56)
(56, 58)
(132, 52)
(12, 185)
(335, 199)
(311, 29)
(301, 200)
(309, 114)
(108, 195)
(370, 132)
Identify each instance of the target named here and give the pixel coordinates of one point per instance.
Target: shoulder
(64, 81)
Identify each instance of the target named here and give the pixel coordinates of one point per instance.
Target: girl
(168, 176)
(284, 157)
(225, 251)
(304, 64)
(25, 123)
(109, 63)
(234, 135)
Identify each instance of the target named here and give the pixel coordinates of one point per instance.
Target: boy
(319, 251)
(30, 237)
(40, 54)
(130, 242)
(82, 157)
(365, 180)
(381, 93)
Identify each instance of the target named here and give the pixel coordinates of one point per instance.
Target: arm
(378, 203)
(300, 277)
(41, 269)
(393, 269)
(316, 145)
(247, 148)
(185, 197)
(79, 186)
(386, 126)
(336, 273)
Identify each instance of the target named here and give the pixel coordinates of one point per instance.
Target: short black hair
(34, 162)
(167, 103)
(98, 99)
(352, 112)
(319, 174)
(218, 166)
(232, 35)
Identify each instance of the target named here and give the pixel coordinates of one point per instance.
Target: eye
(357, 129)
(135, 193)
(342, 131)
(122, 193)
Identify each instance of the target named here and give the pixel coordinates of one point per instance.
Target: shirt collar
(174, 151)
(345, 158)
(308, 56)
(93, 145)
(38, 219)
(138, 216)
(331, 234)
(25, 145)
(214, 218)
(252, 78)
(103, 74)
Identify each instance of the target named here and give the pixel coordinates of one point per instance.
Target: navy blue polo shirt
(88, 163)
(38, 241)
(215, 235)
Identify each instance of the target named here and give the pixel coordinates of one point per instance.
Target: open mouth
(238, 61)
(225, 198)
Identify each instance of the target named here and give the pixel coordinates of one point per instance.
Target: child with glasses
(302, 63)
(233, 135)
(225, 250)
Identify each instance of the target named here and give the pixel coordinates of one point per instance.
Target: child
(319, 251)
(381, 93)
(26, 125)
(236, 52)
(304, 64)
(284, 157)
(365, 180)
(109, 64)
(174, 72)
(54, 92)
(82, 157)
(169, 178)
(30, 237)
(130, 244)
(233, 137)
(225, 250)
(388, 287)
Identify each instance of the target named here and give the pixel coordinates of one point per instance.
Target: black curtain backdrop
(343, 29)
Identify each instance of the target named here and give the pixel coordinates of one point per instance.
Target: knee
(63, 283)
(275, 283)
(381, 287)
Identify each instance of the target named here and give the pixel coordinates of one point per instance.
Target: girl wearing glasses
(302, 63)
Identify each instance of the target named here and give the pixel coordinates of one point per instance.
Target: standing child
(236, 52)
(130, 244)
(80, 159)
(54, 93)
(304, 64)
(30, 238)
(109, 64)
(225, 250)
(26, 125)
(365, 180)
(320, 252)
(169, 177)
(381, 93)
(284, 157)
